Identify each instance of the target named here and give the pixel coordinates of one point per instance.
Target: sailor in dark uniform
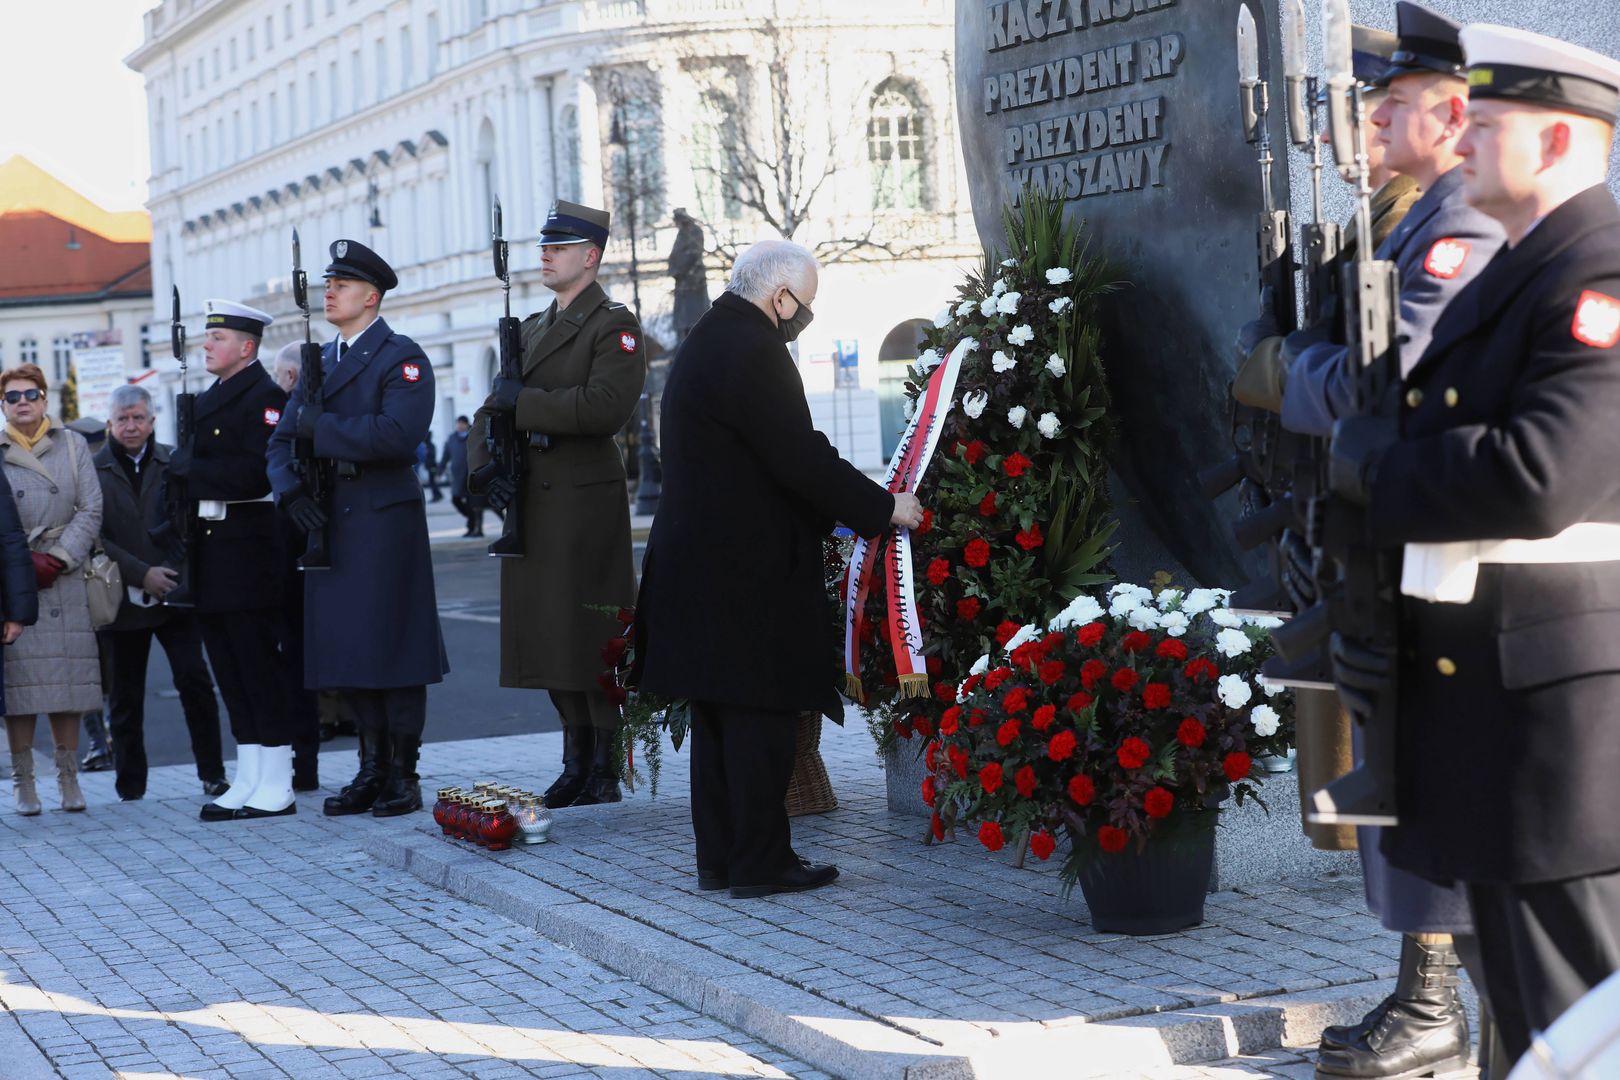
(236, 555)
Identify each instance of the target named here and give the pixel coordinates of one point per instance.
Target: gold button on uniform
(1451, 397)
(1414, 398)
(1446, 666)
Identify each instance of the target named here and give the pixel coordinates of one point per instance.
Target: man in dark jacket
(455, 460)
(131, 468)
(733, 609)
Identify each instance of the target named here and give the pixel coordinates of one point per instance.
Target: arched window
(716, 157)
(568, 181)
(894, 146)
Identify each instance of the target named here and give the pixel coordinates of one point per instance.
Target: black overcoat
(236, 562)
(733, 605)
(372, 620)
(1509, 741)
(128, 515)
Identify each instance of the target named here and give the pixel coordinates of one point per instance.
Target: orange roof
(57, 245)
(25, 186)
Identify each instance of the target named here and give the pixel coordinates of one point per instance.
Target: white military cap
(1516, 65)
(229, 315)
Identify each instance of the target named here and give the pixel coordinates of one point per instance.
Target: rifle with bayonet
(314, 472)
(178, 529)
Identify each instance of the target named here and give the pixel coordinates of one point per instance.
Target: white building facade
(395, 122)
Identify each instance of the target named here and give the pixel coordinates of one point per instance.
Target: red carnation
(1042, 845)
(934, 665)
(1111, 839)
(1044, 717)
(923, 726)
(977, 552)
(1156, 695)
(996, 677)
(1082, 789)
(1008, 731)
(1061, 748)
(1016, 700)
(1024, 781)
(972, 452)
(1200, 669)
(1135, 641)
(1133, 753)
(987, 505)
(1091, 672)
(1171, 649)
(613, 652)
(971, 684)
(1158, 802)
(945, 693)
(617, 696)
(938, 571)
(1029, 539)
(928, 790)
(902, 728)
(990, 777)
(931, 757)
(937, 826)
(1237, 765)
(927, 523)
(959, 761)
(976, 717)
(1024, 656)
(1016, 464)
(990, 836)
(968, 608)
(1052, 671)
(1191, 733)
(1091, 633)
(1078, 701)
(950, 720)
(626, 616)
(1124, 679)
(1005, 630)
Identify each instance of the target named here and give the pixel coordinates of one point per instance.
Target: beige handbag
(103, 581)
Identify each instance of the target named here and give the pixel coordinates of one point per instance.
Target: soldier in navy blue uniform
(1502, 488)
(371, 622)
(235, 555)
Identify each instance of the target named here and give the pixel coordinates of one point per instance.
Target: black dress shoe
(215, 812)
(713, 880)
(214, 788)
(247, 813)
(802, 876)
(97, 761)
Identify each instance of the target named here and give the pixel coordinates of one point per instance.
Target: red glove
(46, 569)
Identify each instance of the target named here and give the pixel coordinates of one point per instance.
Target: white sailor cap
(1516, 65)
(229, 315)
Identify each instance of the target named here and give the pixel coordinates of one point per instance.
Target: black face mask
(792, 328)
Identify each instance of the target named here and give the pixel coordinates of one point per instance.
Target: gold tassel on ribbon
(914, 685)
(852, 687)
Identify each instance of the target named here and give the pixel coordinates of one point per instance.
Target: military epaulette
(614, 305)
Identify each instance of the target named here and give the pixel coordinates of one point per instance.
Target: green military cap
(574, 223)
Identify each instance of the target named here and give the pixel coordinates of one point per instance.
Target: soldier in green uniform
(584, 363)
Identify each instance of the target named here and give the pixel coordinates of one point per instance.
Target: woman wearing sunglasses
(53, 668)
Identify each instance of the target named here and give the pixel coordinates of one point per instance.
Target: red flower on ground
(1136, 641)
(1061, 748)
(1052, 671)
(987, 505)
(1158, 802)
(1156, 695)
(1111, 839)
(1133, 753)
(1191, 733)
(1091, 672)
(923, 726)
(977, 552)
(968, 608)
(937, 826)
(996, 677)
(950, 720)
(1029, 539)
(990, 777)
(1009, 731)
(1042, 845)
(1015, 464)
(938, 572)
(902, 728)
(1237, 765)
(945, 693)
(1044, 717)
(1082, 789)
(990, 835)
(973, 452)
(1015, 701)
(1005, 629)
(959, 761)
(1091, 633)
(1079, 700)
(1200, 669)
(1124, 679)
(1171, 649)
(928, 790)
(1024, 781)
(927, 524)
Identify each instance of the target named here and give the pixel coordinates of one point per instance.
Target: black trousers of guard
(401, 711)
(126, 700)
(302, 706)
(741, 763)
(1542, 946)
(242, 647)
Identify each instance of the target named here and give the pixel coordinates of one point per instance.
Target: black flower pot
(1158, 890)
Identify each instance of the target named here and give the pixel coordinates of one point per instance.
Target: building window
(252, 51)
(486, 162)
(292, 109)
(356, 83)
(286, 23)
(216, 65)
(314, 107)
(275, 119)
(331, 7)
(160, 138)
(407, 62)
(477, 12)
(253, 127)
(28, 351)
(568, 179)
(309, 14)
(894, 145)
(381, 51)
(61, 357)
(191, 157)
(269, 32)
(233, 54)
(717, 156)
(185, 81)
(432, 45)
(637, 169)
(237, 148)
(331, 91)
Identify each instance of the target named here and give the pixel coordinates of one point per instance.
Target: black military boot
(1339, 1036)
(402, 791)
(602, 785)
(1424, 1032)
(361, 792)
(578, 743)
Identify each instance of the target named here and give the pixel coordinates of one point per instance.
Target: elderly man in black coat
(733, 612)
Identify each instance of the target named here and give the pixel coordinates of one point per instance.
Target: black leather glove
(503, 395)
(1365, 676)
(1298, 566)
(1257, 330)
(303, 512)
(500, 493)
(1359, 444)
(307, 417)
(179, 465)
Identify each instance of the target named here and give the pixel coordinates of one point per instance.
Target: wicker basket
(809, 791)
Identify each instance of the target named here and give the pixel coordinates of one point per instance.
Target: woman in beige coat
(54, 667)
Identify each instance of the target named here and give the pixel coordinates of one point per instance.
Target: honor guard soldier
(584, 363)
(371, 623)
(235, 554)
(1502, 489)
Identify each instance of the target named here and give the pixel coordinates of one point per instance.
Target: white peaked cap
(229, 315)
(1516, 65)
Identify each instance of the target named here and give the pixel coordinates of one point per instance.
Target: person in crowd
(303, 705)
(735, 419)
(131, 468)
(455, 459)
(371, 623)
(584, 363)
(54, 668)
(19, 608)
(430, 468)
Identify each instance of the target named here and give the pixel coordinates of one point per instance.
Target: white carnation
(1055, 365)
(1272, 689)
(968, 345)
(973, 404)
(1016, 414)
(980, 666)
(1222, 616)
(1009, 263)
(1169, 598)
(1021, 335)
(1142, 593)
(966, 308)
(1060, 305)
(1027, 632)
(999, 287)
(987, 306)
(1234, 692)
(1081, 610)
(1232, 642)
(1143, 618)
(1000, 361)
(1124, 604)
(1264, 622)
(910, 408)
(1048, 425)
(943, 319)
(1059, 275)
(929, 360)
(1200, 600)
(1265, 720)
(1008, 304)
(1173, 623)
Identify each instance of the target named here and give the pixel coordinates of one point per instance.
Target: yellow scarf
(26, 442)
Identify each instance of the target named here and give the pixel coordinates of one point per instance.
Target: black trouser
(242, 647)
(585, 708)
(401, 711)
(303, 709)
(130, 650)
(472, 508)
(741, 762)
(1542, 946)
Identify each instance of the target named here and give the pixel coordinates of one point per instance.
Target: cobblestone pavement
(138, 942)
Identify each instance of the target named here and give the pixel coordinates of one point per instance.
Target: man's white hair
(287, 356)
(129, 394)
(769, 265)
